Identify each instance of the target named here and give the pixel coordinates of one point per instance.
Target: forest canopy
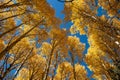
(33, 45)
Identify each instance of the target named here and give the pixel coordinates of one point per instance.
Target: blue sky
(58, 6)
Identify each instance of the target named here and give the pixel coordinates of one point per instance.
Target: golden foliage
(74, 45)
(98, 63)
(46, 48)
(38, 49)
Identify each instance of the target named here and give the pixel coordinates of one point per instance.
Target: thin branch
(6, 3)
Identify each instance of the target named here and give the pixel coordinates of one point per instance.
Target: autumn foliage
(33, 46)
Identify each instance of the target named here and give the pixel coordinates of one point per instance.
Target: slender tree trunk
(12, 5)
(31, 77)
(6, 72)
(1, 35)
(12, 16)
(55, 66)
(49, 63)
(9, 68)
(74, 73)
(22, 63)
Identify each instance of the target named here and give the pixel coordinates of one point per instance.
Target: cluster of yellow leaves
(79, 3)
(10, 24)
(83, 13)
(74, 45)
(104, 41)
(77, 27)
(22, 45)
(59, 40)
(64, 71)
(36, 65)
(34, 68)
(112, 7)
(94, 53)
(61, 43)
(29, 13)
(78, 11)
(64, 67)
(116, 23)
(96, 63)
(76, 7)
(45, 48)
(49, 12)
(20, 51)
(57, 34)
(80, 71)
(23, 74)
(57, 43)
(42, 34)
(94, 38)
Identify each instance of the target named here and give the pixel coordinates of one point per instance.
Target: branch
(6, 3)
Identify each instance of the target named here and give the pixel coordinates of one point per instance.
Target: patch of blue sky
(18, 21)
(58, 7)
(101, 11)
(84, 39)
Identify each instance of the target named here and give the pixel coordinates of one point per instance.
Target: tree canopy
(33, 46)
